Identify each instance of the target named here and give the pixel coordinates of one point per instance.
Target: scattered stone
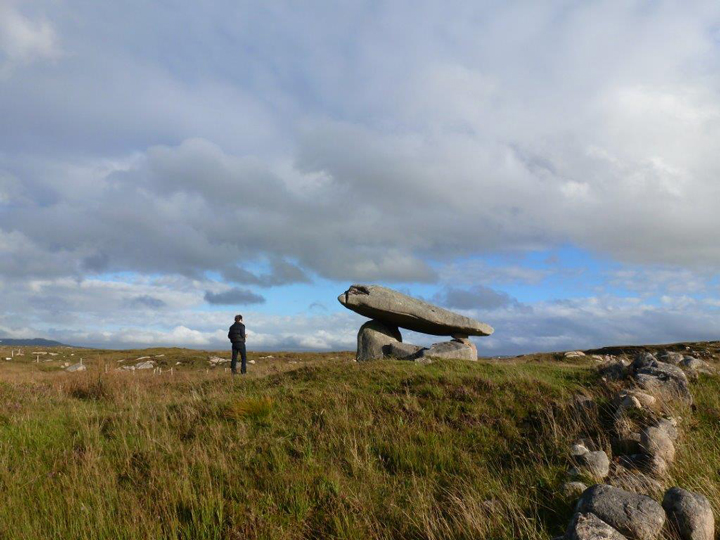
(76, 367)
(665, 379)
(627, 403)
(573, 490)
(372, 337)
(402, 351)
(251, 361)
(669, 426)
(578, 450)
(142, 358)
(694, 366)
(215, 360)
(595, 464)
(574, 354)
(450, 349)
(590, 527)
(645, 400)
(690, 514)
(398, 309)
(615, 370)
(670, 357)
(643, 359)
(636, 516)
(149, 364)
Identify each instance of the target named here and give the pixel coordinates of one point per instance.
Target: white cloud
(399, 149)
(24, 40)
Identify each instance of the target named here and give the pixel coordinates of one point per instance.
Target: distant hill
(34, 342)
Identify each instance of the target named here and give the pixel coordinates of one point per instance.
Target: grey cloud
(234, 296)
(478, 297)
(282, 272)
(147, 301)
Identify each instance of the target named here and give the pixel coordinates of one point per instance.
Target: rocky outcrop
(643, 439)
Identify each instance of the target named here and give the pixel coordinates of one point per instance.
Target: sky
(551, 168)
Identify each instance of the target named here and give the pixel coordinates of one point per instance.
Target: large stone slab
(398, 309)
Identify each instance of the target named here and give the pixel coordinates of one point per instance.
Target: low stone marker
(391, 310)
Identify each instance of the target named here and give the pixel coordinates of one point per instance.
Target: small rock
(636, 516)
(694, 366)
(596, 464)
(670, 357)
(656, 442)
(591, 527)
(579, 450)
(664, 379)
(690, 514)
(574, 354)
(251, 361)
(76, 367)
(627, 403)
(615, 370)
(643, 359)
(669, 426)
(149, 364)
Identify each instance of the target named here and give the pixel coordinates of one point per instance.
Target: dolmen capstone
(390, 310)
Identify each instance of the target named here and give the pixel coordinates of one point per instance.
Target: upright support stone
(372, 337)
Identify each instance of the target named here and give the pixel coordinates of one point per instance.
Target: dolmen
(390, 310)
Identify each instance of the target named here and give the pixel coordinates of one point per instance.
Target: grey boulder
(690, 514)
(402, 351)
(373, 336)
(665, 379)
(636, 516)
(670, 357)
(655, 441)
(450, 349)
(395, 308)
(590, 527)
(594, 464)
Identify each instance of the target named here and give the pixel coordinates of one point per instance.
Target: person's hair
(238, 318)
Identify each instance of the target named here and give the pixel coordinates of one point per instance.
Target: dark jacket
(236, 334)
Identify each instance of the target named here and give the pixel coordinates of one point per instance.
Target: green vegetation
(307, 446)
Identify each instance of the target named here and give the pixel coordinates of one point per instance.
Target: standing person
(236, 335)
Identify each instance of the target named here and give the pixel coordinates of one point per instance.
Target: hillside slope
(327, 449)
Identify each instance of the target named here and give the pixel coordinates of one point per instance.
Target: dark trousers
(238, 348)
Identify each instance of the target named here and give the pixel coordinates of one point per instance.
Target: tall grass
(334, 450)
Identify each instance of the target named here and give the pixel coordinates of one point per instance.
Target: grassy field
(305, 446)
